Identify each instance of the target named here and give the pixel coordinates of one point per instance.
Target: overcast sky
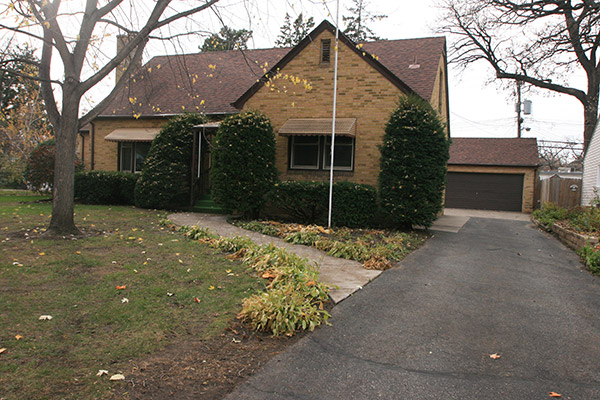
(479, 106)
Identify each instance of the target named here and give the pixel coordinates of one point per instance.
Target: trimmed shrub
(165, 182)
(105, 187)
(243, 169)
(414, 155)
(39, 172)
(354, 205)
(305, 202)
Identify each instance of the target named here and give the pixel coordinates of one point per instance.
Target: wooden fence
(563, 191)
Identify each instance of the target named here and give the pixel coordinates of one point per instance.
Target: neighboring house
(293, 87)
(492, 174)
(591, 169)
(561, 174)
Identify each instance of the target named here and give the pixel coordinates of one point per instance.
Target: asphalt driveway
(426, 330)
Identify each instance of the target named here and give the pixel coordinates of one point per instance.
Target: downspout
(92, 147)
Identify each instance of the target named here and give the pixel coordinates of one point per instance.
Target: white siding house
(591, 168)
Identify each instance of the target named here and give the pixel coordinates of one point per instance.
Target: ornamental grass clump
(294, 299)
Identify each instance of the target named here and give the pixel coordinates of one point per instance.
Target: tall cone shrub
(166, 176)
(243, 169)
(414, 158)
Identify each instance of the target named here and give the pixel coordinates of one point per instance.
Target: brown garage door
(484, 191)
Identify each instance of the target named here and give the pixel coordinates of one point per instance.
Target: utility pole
(521, 107)
(519, 119)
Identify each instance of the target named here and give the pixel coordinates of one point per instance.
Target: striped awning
(318, 126)
(132, 135)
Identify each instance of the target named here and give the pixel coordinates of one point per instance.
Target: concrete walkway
(426, 330)
(346, 276)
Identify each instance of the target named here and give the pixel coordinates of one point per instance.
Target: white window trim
(131, 161)
(132, 154)
(327, 157)
(295, 166)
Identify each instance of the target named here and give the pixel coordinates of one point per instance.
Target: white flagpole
(335, 72)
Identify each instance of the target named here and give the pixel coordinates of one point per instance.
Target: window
(314, 152)
(344, 152)
(305, 152)
(132, 156)
(325, 51)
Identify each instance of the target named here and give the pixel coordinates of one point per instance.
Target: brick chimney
(122, 41)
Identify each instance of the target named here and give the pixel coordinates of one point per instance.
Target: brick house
(292, 86)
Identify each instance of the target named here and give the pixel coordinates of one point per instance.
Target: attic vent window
(325, 51)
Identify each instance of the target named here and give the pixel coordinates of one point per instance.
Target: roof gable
(515, 152)
(364, 51)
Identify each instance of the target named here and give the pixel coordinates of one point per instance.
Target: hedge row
(354, 205)
(105, 187)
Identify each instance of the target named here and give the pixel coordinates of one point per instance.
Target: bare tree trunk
(62, 222)
(590, 110)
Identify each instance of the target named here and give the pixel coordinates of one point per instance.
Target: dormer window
(325, 51)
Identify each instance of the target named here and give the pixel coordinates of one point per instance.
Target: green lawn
(130, 289)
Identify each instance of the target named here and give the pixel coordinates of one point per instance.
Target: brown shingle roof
(522, 152)
(402, 57)
(174, 84)
(210, 82)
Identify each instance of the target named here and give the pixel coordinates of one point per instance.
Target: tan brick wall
(363, 93)
(439, 98)
(106, 153)
(529, 179)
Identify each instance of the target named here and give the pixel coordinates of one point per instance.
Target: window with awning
(134, 144)
(318, 127)
(310, 143)
(132, 135)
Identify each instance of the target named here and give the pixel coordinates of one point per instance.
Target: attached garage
(492, 174)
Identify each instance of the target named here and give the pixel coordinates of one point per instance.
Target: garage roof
(513, 152)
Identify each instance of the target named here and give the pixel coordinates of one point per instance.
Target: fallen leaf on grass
(211, 287)
(554, 394)
(18, 337)
(269, 275)
(197, 300)
(117, 377)
(42, 253)
(121, 287)
(495, 356)
(102, 372)
(3, 350)
(45, 317)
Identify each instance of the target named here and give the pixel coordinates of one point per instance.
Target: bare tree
(48, 23)
(556, 153)
(537, 42)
